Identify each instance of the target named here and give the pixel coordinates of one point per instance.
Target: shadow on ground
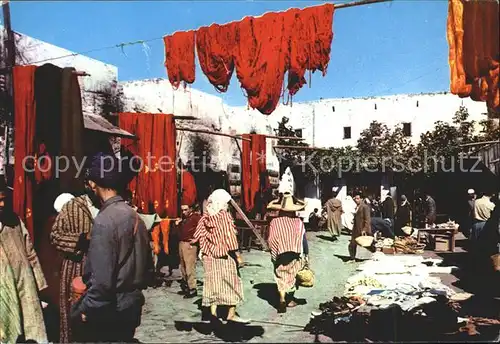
(230, 332)
(327, 238)
(269, 293)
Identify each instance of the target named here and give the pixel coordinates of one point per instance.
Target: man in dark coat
(362, 223)
(388, 207)
(115, 271)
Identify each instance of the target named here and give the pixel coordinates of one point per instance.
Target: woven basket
(305, 277)
(364, 240)
(407, 230)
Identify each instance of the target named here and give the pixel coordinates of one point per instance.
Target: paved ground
(168, 317)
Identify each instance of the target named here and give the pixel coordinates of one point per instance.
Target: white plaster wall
(322, 127)
(103, 76)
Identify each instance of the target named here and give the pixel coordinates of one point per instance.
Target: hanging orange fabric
(155, 188)
(24, 110)
(253, 164)
(164, 228)
(473, 35)
(188, 189)
(455, 36)
(179, 57)
(214, 45)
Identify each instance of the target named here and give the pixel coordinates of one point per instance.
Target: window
(407, 129)
(333, 108)
(347, 133)
(298, 133)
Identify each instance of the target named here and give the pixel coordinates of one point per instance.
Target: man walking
(115, 271)
(362, 223)
(187, 251)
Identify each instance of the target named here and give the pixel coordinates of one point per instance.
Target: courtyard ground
(167, 317)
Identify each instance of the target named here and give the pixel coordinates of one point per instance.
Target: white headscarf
(61, 200)
(218, 201)
(286, 182)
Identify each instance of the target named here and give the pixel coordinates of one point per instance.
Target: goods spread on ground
(395, 297)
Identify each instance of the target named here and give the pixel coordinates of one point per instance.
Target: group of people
(107, 261)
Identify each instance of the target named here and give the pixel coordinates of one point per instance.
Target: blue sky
(379, 49)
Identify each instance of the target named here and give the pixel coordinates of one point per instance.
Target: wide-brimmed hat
(287, 202)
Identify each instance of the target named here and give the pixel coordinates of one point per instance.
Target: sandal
(292, 304)
(237, 319)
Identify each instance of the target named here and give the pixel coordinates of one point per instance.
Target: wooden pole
(300, 147)
(247, 221)
(212, 133)
(10, 62)
(359, 3)
(291, 138)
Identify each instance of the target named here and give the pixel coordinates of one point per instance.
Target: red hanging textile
(215, 45)
(179, 57)
(24, 110)
(188, 189)
(309, 43)
(155, 188)
(253, 165)
(260, 58)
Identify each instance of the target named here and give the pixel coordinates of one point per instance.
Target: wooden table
(447, 232)
(246, 238)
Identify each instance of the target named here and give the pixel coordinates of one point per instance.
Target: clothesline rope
(142, 42)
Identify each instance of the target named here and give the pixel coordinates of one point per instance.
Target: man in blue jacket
(116, 268)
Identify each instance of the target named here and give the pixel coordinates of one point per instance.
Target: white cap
(471, 191)
(61, 200)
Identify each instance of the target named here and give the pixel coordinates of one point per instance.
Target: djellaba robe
(21, 280)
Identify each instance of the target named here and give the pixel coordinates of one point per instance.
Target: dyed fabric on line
(221, 283)
(154, 190)
(24, 109)
(286, 275)
(285, 235)
(473, 38)
(164, 228)
(262, 50)
(179, 57)
(253, 165)
(215, 45)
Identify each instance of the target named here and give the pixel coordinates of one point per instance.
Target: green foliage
(380, 147)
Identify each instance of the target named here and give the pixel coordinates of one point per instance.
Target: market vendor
(382, 226)
(287, 242)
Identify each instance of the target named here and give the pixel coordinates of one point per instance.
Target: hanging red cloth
(260, 57)
(188, 189)
(179, 57)
(24, 122)
(253, 165)
(215, 45)
(310, 42)
(155, 188)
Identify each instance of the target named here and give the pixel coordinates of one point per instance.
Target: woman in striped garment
(287, 241)
(216, 235)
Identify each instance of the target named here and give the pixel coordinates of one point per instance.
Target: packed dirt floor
(167, 317)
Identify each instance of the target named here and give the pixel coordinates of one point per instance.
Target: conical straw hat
(286, 202)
